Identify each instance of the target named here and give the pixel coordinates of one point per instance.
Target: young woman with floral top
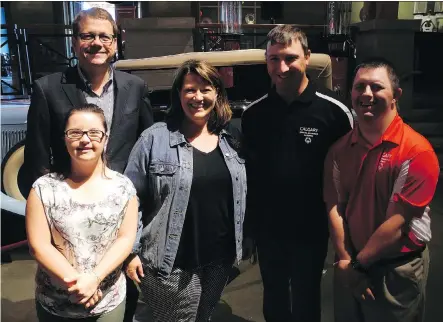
(81, 221)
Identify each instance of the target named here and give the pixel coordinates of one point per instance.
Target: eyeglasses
(104, 38)
(93, 135)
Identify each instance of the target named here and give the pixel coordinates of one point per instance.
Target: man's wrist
(358, 266)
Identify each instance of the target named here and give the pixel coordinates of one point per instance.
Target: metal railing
(12, 65)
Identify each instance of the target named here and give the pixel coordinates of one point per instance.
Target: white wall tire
(11, 165)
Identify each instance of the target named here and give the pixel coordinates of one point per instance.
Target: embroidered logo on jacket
(309, 133)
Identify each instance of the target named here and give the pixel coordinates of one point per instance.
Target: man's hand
(362, 290)
(85, 286)
(134, 269)
(347, 274)
(355, 280)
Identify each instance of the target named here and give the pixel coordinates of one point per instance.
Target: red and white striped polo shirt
(363, 179)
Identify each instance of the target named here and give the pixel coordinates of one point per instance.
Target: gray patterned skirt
(186, 295)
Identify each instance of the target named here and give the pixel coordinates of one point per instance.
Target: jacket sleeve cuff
(136, 246)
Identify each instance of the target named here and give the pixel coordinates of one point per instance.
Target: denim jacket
(161, 168)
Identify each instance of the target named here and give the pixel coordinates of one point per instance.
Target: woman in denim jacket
(191, 183)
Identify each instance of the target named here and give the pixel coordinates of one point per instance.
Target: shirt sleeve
(137, 169)
(332, 194)
(137, 172)
(344, 122)
(415, 185)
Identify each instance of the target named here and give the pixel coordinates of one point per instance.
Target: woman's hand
(85, 286)
(134, 269)
(94, 299)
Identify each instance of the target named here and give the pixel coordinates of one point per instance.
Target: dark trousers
(399, 288)
(131, 300)
(291, 274)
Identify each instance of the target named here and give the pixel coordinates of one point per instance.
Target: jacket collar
(86, 82)
(306, 96)
(73, 86)
(177, 138)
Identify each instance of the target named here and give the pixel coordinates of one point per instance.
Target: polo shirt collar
(305, 97)
(393, 133)
(86, 82)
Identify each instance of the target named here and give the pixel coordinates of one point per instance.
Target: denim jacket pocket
(163, 168)
(162, 174)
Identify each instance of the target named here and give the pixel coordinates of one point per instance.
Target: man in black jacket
(287, 135)
(123, 98)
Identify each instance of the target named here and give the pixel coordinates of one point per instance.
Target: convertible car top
(319, 67)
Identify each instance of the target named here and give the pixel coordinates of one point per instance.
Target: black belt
(407, 257)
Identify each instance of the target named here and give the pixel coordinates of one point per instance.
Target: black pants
(291, 274)
(131, 300)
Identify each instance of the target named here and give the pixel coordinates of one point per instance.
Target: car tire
(11, 165)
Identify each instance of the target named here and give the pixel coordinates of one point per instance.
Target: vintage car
(13, 118)
(244, 73)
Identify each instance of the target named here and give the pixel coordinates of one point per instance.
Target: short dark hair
(220, 115)
(61, 162)
(380, 62)
(285, 34)
(93, 13)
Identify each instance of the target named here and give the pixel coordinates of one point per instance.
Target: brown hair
(93, 13)
(285, 34)
(380, 62)
(61, 163)
(221, 114)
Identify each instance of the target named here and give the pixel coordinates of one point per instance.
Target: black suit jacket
(54, 95)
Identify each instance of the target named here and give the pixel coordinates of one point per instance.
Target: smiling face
(93, 52)
(286, 65)
(373, 97)
(197, 98)
(84, 149)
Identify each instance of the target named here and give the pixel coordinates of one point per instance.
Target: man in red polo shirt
(379, 181)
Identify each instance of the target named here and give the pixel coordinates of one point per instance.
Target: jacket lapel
(71, 85)
(121, 97)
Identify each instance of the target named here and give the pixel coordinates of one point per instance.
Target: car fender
(12, 205)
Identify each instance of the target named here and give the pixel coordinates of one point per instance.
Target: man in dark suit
(123, 98)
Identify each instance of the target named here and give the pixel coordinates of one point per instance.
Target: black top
(208, 231)
(285, 149)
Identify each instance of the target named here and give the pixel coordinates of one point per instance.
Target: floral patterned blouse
(82, 232)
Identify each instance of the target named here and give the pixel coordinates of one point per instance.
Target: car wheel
(11, 165)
